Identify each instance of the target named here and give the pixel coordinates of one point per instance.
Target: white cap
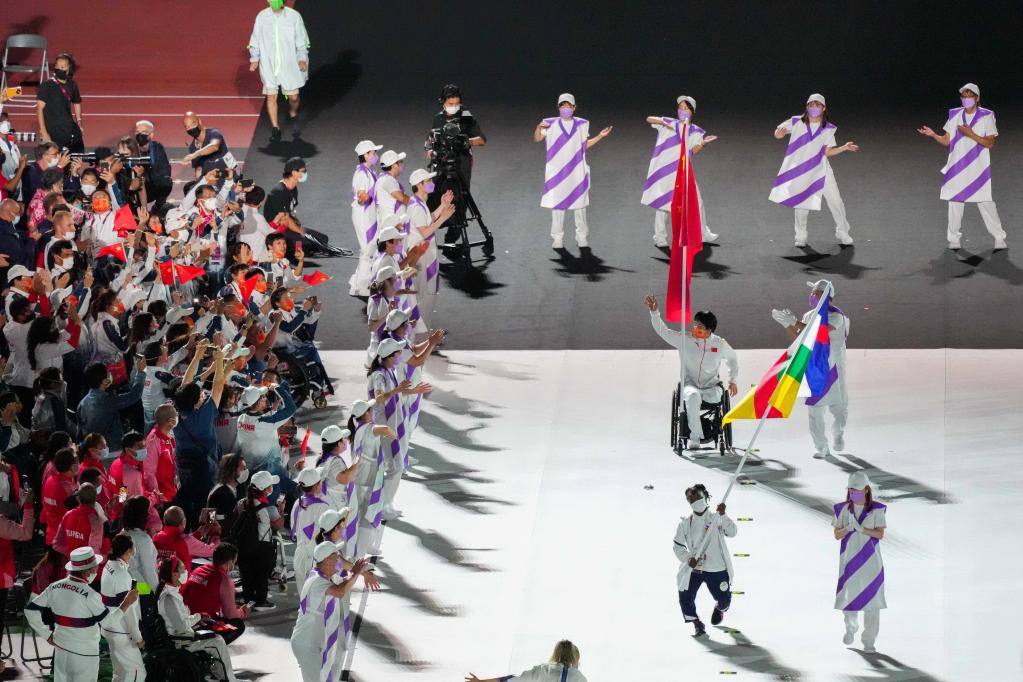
(82, 559)
(385, 273)
(688, 99)
(361, 407)
(367, 146)
(324, 550)
(822, 286)
(972, 87)
(395, 319)
(418, 175)
(263, 479)
(387, 234)
(178, 313)
(388, 347)
(309, 476)
(391, 157)
(816, 97)
(329, 519)
(333, 434)
(251, 396)
(19, 271)
(393, 220)
(240, 353)
(858, 480)
(566, 97)
(130, 297)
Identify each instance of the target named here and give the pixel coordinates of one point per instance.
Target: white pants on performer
(69, 667)
(392, 477)
(662, 222)
(871, 624)
(303, 562)
(839, 414)
(309, 659)
(369, 537)
(693, 397)
(217, 648)
(988, 212)
(834, 200)
(126, 658)
(427, 302)
(582, 229)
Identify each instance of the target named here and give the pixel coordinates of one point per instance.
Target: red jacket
(107, 493)
(171, 541)
(9, 530)
(81, 527)
(56, 489)
(160, 467)
(210, 591)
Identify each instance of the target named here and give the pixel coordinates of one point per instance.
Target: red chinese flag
(687, 231)
(166, 272)
(124, 221)
(115, 250)
(186, 273)
(305, 442)
(247, 286)
(316, 278)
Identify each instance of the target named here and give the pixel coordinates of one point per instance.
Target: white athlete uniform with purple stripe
(659, 187)
(860, 569)
(806, 175)
(427, 278)
(566, 184)
(392, 413)
(383, 197)
(364, 217)
(304, 513)
(318, 640)
(967, 173)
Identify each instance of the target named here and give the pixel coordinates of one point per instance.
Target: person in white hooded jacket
(712, 566)
(123, 633)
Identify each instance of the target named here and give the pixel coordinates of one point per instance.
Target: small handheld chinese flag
(247, 286)
(124, 221)
(186, 273)
(166, 272)
(316, 278)
(115, 250)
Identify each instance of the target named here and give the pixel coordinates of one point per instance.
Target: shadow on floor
(440, 546)
(841, 263)
(587, 264)
(890, 670)
(743, 654)
(460, 438)
(472, 281)
(395, 583)
(387, 645)
(891, 486)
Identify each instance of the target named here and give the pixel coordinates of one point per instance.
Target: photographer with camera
(59, 106)
(453, 134)
(157, 174)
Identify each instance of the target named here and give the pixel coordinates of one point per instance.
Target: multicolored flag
(686, 230)
(802, 370)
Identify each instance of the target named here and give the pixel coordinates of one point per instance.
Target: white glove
(784, 317)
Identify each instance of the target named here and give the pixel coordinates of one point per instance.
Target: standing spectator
(279, 49)
(56, 489)
(83, 525)
(59, 106)
(224, 497)
(122, 634)
(12, 161)
(210, 591)
(160, 468)
(158, 176)
(15, 246)
(100, 409)
(46, 155)
(258, 519)
(142, 566)
(208, 149)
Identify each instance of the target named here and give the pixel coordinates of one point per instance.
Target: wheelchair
(166, 661)
(299, 373)
(711, 415)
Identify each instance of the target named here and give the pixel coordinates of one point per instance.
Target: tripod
(466, 211)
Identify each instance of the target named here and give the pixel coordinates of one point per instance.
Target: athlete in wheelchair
(296, 345)
(711, 365)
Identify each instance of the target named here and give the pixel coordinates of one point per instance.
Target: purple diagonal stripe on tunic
(431, 270)
(331, 641)
(960, 165)
(800, 169)
(559, 143)
(352, 529)
(371, 232)
(662, 172)
(304, 604)
(565, 171)
(389, 407)
(859, 520)
(663, 199)
(329, 609)
(797, 199)
(576, 193)
(348, 623)
(401, 430)
(867, 594)
(309, 531)
(374, 497)
(856, 563)
(673, 141)
(832, 378)
(972, 188)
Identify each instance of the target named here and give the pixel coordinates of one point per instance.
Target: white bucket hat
(309, 476)
(395, 319)
(82, 559)
(972, 87)
(858, 480)
(388, 347)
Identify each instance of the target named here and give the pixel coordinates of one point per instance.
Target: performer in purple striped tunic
(805, 174)
(660, 176)
(859, 524)
(969, 134)
(423, 225)
(364, 214)
(366, 447)
(386, 389)
(304, 513)
(566, 174)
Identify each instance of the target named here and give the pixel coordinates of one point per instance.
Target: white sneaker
(847, 638)
(869, 649)
(391, 514)
(1000, 244)
(412, 461)
(373, 551)
(821, 454)
(709, 237)
(839, 443)
(954, 244)
(582, 243)
(844, 239)
(800, 244)
(660, 244)
(558, 244)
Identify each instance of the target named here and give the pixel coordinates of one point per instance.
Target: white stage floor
(528, 519)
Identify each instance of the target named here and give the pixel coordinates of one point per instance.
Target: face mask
(814, 112)
(193, 132)
(430, 186)
(372, 159)
(52, 163)
(451, 111)
(5, 127)
(701, 333)
(182, 577)
(104, 453)
(968, 101)
(140, 455)
(305, 176)
(100, 206)
(67, 263)
(814, 300)
(243, 476)
(566, 112)
(209, 204)
(60, 74)
(288, 305)
(684, 115)
(275, 4)
(17, 219)
(699, 506)
(261, 287)
(142, 139)
(857, 496)
(157, 228)
(87, 190)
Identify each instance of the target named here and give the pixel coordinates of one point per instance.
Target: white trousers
(834, 201)
(839, 414)
(582, 229)
(303, 562)
(662, 223)
(692, 397)
(126, 658)
(69, 667)
(988, 212)
(217, 648)
(871, 624)
(310, 658)
(392, 477)
(427, 304)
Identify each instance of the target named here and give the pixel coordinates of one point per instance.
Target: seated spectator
(209, 591)
(174, 541)
(83, 525)
(56, 489)
(100, 410)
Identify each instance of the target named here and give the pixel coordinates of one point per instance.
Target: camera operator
(458, 140)
(131, 178)
(158, 174)
(59, 106)
(111, 171)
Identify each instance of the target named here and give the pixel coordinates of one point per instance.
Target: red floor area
(150, 59)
